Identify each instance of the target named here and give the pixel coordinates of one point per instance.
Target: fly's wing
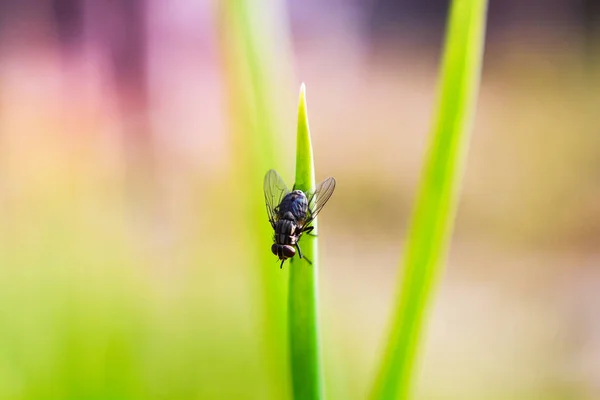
(318, 198)
(275, 191)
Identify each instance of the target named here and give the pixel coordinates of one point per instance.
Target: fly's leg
(299, 251)
(309, 230)
(281, 266)
(301, 256)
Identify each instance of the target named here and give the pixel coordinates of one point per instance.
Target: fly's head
(283, 251)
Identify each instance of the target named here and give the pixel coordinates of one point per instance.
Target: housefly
(292, 212)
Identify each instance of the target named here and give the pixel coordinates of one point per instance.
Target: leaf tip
(302, 93)
(302, 105)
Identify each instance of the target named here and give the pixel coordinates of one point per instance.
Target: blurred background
(134, 245)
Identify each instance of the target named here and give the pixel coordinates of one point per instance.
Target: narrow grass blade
(435, 207)
(303, 324)
(252, 39)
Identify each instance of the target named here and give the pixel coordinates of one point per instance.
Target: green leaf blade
(304, 340)
(252, 39)
(436, 201)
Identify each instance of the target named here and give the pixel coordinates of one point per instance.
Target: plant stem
(435, 207)
(303, 325)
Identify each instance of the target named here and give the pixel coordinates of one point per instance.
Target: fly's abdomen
(295, 203)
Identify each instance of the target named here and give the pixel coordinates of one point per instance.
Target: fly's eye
(274, 248)
(289, 251)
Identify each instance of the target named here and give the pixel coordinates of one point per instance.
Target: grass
(303, 324)
(250, 68)
(435, 207)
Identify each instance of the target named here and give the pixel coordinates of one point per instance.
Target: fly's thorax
(286, 232)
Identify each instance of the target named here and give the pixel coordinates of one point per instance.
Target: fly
(291, 213)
